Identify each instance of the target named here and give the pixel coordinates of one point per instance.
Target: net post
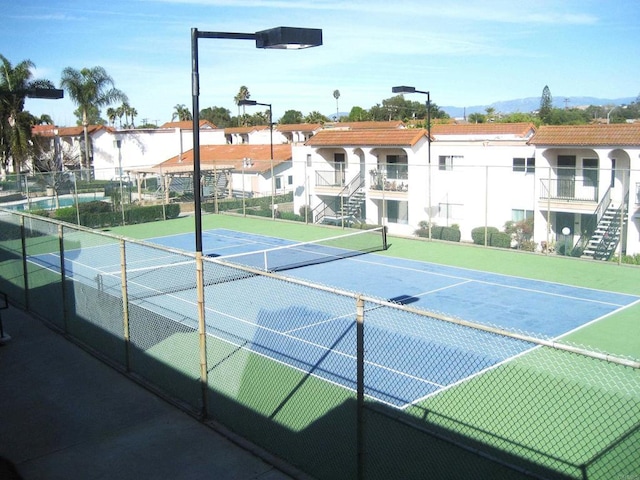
(385, 245)
(125, 303)
(63, 277)
(202, 333)
(360, 415)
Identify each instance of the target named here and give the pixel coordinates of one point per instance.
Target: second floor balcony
(575, 193)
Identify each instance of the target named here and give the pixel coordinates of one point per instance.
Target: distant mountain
(530, 104)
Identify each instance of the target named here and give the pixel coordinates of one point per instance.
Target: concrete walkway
(66, 415)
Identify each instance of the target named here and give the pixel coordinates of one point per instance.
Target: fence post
(360, 416)
(63, 279)
(202, 333)
(25, 271)
(125, 303)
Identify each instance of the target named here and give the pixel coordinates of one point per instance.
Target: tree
(546, 105)
(112, 113)
(43, 119)
(15, 123)
(291, 117)
(181, 113)
(476, 117)
(336, 95)
(358, 114)
(316, 117)
(243, 94)
(219, 116)
(90, 88)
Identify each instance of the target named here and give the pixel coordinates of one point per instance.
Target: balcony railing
(568, 189)
(391, 181)
(330, 178)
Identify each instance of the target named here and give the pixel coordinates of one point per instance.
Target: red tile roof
(365, 125)
(623, 134)
(299, 127)
(367, 138)
(233, 155)
(50, 130)
(241, 130)
(188, 125)
(520, 129)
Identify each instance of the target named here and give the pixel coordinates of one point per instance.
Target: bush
(500, 240)
(477, 235)
(449, 234)
(100, 216)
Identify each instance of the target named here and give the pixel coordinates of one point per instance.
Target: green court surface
(552, 413)
(616, 334)
(524, 409)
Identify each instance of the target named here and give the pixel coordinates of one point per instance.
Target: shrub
(100, 216)
(449, 234)
(477, 235)
(500, 240)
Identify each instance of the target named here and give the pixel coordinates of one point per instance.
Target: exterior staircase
(346, 207)
(604, 240)
(351, 207)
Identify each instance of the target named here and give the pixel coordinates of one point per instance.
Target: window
(397, 167)
(398, 212)
(278, 183)
(445, 162)
(589, 172)
(520, 215)
(290, 180)
(526, 165)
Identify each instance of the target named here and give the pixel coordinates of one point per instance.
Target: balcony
(392, 184)
(329, 182)
(573, 194)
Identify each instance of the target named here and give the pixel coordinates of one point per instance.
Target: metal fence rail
(388, 391)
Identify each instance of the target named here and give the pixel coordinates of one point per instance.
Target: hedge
(477, 234)
(226, 204)
(93, 219)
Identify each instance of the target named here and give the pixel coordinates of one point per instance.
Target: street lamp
(279, 38)
(405, 89)
(273, 181)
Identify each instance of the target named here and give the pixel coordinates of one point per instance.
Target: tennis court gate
(374, 400)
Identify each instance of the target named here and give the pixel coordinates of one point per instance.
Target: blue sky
(465, 52)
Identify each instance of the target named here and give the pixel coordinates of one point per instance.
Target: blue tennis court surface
(311, 334)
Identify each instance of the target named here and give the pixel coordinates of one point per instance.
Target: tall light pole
(279, 38)
(273, 180)
(405, 89)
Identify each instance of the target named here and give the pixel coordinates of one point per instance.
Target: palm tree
(87, 88)
(336, 95)
(133, 113)
(43, 119)
(15, 123)
(112, 114)
(243, 94)
(182, 113)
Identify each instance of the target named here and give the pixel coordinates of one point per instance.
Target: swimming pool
(49, 203)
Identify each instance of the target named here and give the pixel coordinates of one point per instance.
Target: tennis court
(317, 340)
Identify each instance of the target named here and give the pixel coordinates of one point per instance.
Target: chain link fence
(337, 384)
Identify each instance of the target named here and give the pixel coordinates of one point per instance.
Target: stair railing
(612, 235)
(591, 226)
(320, 210)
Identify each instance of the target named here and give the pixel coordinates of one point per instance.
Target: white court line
(532, 290)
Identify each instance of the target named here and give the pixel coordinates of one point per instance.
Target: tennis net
(287, 257)
(180, 275)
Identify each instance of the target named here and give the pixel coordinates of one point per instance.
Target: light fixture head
(289, 38)
(48, 93)
(403, 89)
